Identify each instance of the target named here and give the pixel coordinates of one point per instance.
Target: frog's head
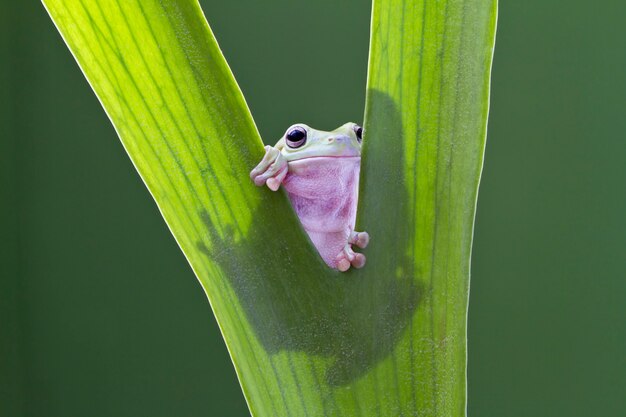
(301, 142)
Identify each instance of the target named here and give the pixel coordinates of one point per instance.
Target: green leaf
(426, 113)
(387, 340)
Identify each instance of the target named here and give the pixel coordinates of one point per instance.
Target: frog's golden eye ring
(359, 132)
(295, 137)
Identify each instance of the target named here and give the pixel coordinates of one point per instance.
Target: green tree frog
(320, 172)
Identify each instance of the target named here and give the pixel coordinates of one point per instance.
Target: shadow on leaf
(356, 317)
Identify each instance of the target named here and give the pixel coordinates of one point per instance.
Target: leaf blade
(135, 92)
(422, 72)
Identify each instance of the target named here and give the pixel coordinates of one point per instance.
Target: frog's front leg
(271, 170)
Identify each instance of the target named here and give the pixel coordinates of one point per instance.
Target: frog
(320, 171)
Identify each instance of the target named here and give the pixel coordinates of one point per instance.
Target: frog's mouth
(325, 160)
(323, 165)
(329, 157)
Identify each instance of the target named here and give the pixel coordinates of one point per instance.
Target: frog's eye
(359, 132)
(295, 137)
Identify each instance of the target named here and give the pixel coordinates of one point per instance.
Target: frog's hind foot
(361, 239)
(348, 257)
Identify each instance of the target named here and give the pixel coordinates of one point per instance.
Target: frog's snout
(338, 139)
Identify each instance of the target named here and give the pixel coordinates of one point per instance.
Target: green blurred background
(100, 314)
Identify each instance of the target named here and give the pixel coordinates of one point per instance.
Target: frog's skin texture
(320, 172)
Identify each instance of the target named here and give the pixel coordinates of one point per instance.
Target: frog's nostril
(337, 138)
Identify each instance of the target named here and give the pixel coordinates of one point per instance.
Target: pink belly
(324, 193)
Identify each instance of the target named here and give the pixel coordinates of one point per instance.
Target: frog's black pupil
(296, 135)
(359, 133)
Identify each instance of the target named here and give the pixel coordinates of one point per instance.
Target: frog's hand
(271, 170)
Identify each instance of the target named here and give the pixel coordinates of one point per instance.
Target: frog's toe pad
(343, 265)
(361, 239)
(358, 261)
(348, 257)
(274, 182)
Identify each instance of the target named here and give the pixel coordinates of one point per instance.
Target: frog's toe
(347, 257)
(275, 171)
(274, 182)
(271, 170)
(344, 259)
(358, 261)
(268, 159)
(343, 265)
(361, 239)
